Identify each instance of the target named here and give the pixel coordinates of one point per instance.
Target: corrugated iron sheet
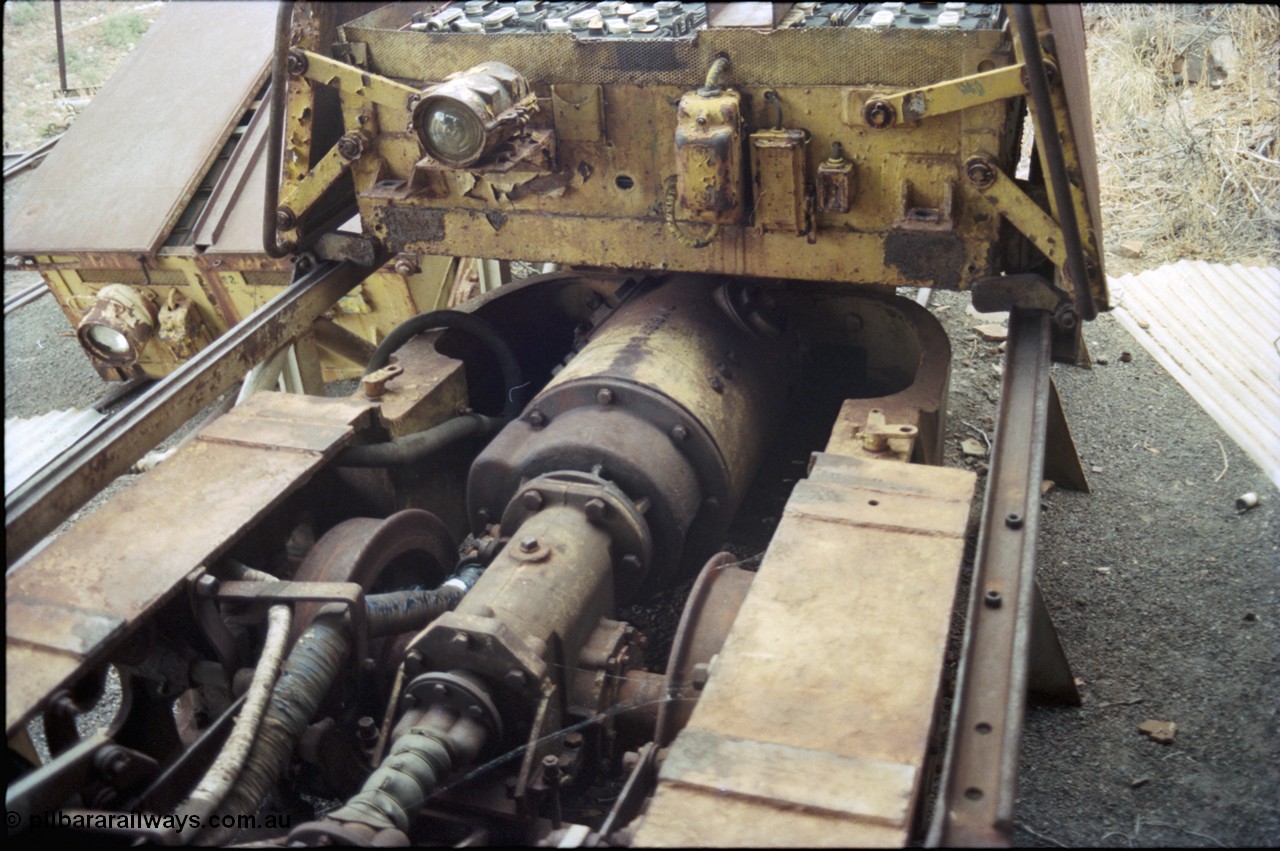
(1216, 329)
(32, 444)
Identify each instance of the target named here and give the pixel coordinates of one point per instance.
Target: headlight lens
(107, 341)
(464, 120)
(454, 133)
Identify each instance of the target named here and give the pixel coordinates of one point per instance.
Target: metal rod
(31, 157)
(62, 54)
(275, 135)
(979, 777)
(49, 497)
(1053, 158)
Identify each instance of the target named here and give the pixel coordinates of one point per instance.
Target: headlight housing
(463, 120)
(116, 329)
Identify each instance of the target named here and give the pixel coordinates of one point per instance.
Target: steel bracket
(1031, 292)
(349, 595)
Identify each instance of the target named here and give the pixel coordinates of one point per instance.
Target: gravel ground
(1165, 599)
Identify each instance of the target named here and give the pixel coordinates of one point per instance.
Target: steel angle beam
(48, 498)
(1008, 631)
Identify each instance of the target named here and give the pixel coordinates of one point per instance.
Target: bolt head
(515, 678)
(980, 172)
(532, 500)
(537, 419)
(461, 640)
(679, 432)
(604, 396)
(597, 510)
(528, 544)
(879, 114)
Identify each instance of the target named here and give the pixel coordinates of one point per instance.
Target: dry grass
(1190, 170)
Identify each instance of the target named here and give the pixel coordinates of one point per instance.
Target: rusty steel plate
(63, 605)
(814, 725)
(121, 176)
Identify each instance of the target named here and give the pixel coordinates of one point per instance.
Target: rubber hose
(221, 776)
(418, 447)
(308, 673)
(474, 325)
(404, 611)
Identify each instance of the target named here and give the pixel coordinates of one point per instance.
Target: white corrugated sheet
(32, 444)
(1216, 329)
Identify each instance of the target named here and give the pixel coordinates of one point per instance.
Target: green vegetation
(124, 30)
(23, 12)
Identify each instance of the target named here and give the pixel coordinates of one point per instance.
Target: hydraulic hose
(418, 447)
(308, 674)
(410, 611)
(512, 375)
(222, 775)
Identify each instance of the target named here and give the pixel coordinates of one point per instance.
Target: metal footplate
(814, 725)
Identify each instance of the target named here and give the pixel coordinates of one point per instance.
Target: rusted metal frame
(1057, 150)
(978, 789)
(960, 93)
(1025, 215)
(47, 499)
(299, 197)
(350, 79)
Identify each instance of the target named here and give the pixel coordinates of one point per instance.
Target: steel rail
(25, 296)
(979, 777)
(48, 498)
(31, 157)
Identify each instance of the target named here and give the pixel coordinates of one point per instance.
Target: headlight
(453, 132)
(466, 118)
(117, 327)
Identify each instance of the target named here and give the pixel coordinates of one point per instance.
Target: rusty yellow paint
(962, 93)
(220, 291)
(302, 195)
(1027, 216)
(348, 78)
(778, 175)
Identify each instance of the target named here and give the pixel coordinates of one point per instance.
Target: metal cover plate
(132, 554)
(838, 650)
(121, 176)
